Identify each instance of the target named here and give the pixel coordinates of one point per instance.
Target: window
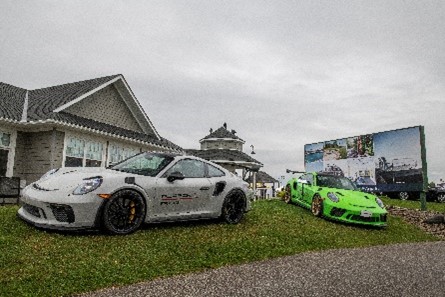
(118, 153)
(188, 167)
(307, 177)
(81, 153)
(215, 172)
(93, 154)
(144, 164)
(5, 141)
(74, 152)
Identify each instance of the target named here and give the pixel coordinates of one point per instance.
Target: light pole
(282, 180)
(254, 174)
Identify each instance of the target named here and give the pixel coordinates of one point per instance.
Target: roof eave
(53, 123)
(224, 139)
(141, 110)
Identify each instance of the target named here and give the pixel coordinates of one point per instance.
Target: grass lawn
(414, 204)
(39, 263)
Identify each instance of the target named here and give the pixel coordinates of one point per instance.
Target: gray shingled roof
(12, 100)
(222, 132)
(42, 103)
(262, 177)
(223, 154)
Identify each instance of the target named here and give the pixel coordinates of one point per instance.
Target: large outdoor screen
(379, 162)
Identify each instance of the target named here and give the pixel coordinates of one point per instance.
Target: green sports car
(335, 197)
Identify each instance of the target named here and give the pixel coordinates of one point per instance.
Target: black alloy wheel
(317, 206)
(234, 207)
(124, 212)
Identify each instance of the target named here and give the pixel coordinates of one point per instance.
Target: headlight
(333, 197)
(88, 185)
(49, 173)
(379, 202)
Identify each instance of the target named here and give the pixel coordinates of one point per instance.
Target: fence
(9, 190)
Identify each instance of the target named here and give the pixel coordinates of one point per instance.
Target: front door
(3, 162)
(185, 198)
(307, 186)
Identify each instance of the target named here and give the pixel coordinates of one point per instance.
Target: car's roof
(183, 156)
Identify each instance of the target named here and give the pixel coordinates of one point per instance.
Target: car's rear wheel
(287, 195)
(403, 195)
(317, 206)
(234, 207)
(124, 212)
(441, 198)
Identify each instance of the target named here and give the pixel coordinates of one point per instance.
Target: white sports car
(149, 187)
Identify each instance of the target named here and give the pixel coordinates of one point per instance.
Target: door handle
(204, 189)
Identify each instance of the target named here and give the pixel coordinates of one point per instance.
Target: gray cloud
(281, 73)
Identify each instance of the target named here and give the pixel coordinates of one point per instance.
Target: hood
(69, 178)
(354, 198)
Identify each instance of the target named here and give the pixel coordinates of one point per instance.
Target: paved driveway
(393, 270)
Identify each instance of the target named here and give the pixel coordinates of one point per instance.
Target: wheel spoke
(287, 194)
(125, 212)
(317, 206)
(234, 208)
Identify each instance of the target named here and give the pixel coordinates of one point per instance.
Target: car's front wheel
(317, 206)
(441, 198)
(124, 212)
(234, 207)
(287, 195)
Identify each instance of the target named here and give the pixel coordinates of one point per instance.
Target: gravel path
(390, 270)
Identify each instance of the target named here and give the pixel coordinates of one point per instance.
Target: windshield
(148, 164)
(337, 182)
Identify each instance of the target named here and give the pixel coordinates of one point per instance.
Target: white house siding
(106, 106)
(221, 144)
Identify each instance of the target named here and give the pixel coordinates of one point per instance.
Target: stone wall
(38, 152)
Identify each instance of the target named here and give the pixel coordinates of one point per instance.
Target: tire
(404, 196)
(123, 213)
(287, 195)
(441, 198)
(317, 206)
(234, 207)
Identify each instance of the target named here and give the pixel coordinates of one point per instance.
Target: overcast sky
(280, 73)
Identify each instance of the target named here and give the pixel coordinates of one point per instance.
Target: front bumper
(362, 216)
(54, 210)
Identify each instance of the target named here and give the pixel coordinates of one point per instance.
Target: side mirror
(174, 176)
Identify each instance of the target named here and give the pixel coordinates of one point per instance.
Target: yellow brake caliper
(132, 212)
